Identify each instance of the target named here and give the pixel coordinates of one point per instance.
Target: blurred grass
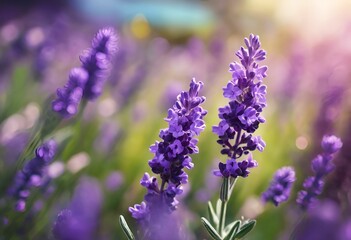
(18, 94)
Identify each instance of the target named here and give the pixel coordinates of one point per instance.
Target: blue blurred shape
(186, 15)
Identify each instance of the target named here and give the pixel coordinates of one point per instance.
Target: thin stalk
(226, 191)
(222, 216)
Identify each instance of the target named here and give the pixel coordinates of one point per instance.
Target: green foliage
(126, 228)
(210, 229)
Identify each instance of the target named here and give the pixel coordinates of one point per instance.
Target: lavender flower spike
(87, 81)
(321, 165)
(69, 97)
(185, 122)
(32, 174)
(97, 60)
(280, 187)
(241, 117)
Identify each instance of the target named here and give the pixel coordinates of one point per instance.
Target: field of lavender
(178, 120)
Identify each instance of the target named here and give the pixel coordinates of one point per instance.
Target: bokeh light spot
(301, 142)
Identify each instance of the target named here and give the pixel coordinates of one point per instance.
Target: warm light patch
(140, 27)
(301, 142)
(77, 162)
(107, 107)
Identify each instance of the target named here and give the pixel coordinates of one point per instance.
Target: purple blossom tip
(331, 144)
(139, 211)
(105, 41)
(149, 182)
(280, 187)
(97, 60)
(47, 151)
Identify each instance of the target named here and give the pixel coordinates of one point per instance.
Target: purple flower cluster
(32, 174)
(80, 220)
(321, 165)
(242, 117)
(185, 120)
(280, 187)
(87, 81)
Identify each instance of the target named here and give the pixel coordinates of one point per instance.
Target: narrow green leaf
(232, 229)
(224, 193)
(28, 151)
(230, 226)
(245, 228)
(210, 229)
(49, 120)
(212, 214)
(126, 228)
(218, 207)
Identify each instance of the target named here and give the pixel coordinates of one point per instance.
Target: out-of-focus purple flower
(128, 88)
(32, 175)
(161, 227)
(280, 187)
(63, 221)
(114, 180)
(109, 135)
(80, 220)
(96, 61)
(331, 100)
(242, 116)
(87, 81)
(217, 45)
(185, 121)
(321, 165)
(69, 97)
(196, 48)
(322, 223)
(331, 144)
(339, 183)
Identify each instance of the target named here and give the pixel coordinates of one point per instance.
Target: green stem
(226, 192)
(222, 216)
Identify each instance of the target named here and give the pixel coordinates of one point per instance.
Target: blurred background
(162, 45)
